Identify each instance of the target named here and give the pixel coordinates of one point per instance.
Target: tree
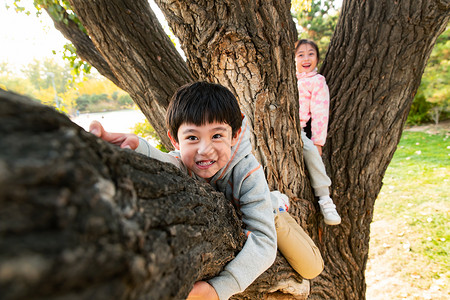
(373, 67)
(432, 98)
(42, 75)
(318, 23)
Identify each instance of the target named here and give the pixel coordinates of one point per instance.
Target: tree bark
(373, 68)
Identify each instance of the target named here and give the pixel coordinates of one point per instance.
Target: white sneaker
(328, 209)
(283, 201)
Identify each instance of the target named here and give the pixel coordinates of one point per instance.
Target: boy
(212, 143)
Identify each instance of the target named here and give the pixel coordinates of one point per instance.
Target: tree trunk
(373, 67)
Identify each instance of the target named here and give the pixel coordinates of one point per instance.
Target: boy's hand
(319, 148)
(204, 291)
(123, 140)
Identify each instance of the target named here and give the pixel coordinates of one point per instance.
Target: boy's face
(306, 58)
(205, 149)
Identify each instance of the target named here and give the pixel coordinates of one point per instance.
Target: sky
(24, 38)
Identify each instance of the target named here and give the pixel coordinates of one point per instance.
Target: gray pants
(317, 173)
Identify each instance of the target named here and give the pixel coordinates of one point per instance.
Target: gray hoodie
(243, 182)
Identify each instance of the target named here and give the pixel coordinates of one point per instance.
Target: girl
(314, 107)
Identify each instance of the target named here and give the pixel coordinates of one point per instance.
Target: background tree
(42, 74)
(432, 102)
(373, 68)
(43, 80)
(15, 83)
(88, 93)
(318, 22)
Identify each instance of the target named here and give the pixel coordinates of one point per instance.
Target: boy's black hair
(310, 42)
(200, 103)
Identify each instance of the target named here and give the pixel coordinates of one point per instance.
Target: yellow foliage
(299, 5)
(68, 100)
(20, 86)
(440, 96)
(98, 86)
(46, 96)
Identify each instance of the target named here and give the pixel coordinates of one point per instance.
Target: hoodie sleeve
(320, 106)
(148, 150)
(259, 250)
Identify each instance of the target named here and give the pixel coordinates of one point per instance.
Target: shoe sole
(332, 223)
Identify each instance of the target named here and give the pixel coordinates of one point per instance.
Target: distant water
(112, 121)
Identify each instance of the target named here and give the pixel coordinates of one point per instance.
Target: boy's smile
(205, 149)
(306, 58)
(205, 164)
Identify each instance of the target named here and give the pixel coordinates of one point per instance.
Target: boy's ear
(173, 141)
(235, 137)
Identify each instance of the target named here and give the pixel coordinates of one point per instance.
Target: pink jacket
(314, 99)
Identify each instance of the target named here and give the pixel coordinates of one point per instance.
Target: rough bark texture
(373, 68)
(82, 219)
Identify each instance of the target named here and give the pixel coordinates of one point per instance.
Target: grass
(410, 236)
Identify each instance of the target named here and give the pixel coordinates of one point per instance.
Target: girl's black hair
(200, 103)
(310, 42)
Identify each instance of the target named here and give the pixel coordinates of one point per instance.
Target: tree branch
(85, 48)
(132, 40)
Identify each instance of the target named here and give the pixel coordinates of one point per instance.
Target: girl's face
(306, 58)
